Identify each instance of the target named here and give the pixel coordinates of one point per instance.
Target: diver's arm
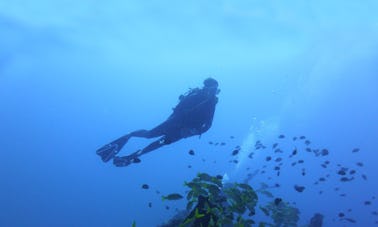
(208, 117)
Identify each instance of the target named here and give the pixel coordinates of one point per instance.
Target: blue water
(75, 75)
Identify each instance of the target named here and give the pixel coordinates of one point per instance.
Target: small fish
(299, 188)
(345, 179)
(189, 166)
(277, 168)
(281, 136)
(300, 161)
(303, 173)
(295, 151)
(277, 185)
(341, 215)
(149, 204)
(355, 150)
(324, 165)
(275, 145)
(223, 143)
(277, 201)
(322, 179)
(307, 142)
(191, 152)
(308, 149)
(360, 164)
(325, 152)
(352, 172)
(364, 176)
(367, 203)
(302, 137)
(268, 158)
(145, 186)
(232, 137)
(326, 162)
(236, 151)
(293, 164)
(211, 143)
(173, 196)
(343, 195)
(295, 138)
(341, 172)
(278, 159)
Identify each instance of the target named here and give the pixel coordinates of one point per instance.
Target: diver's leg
(134, 157)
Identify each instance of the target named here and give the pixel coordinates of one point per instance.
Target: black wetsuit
(193, 115)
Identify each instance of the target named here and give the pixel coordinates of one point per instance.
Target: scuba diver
(193, 115)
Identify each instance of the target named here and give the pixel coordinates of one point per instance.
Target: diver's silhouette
(193, 115)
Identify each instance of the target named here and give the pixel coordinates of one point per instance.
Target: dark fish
(268, 158)
(235, 161)
(352, 172)
(278, 159)
(299, 188)
(341, 172)
(322, 179)
(189, 166)
(295, 151)
(324, 152)
(277, 201)
(303, 173)
(236, 151)
(345, 179)
(341, 214)
(281, 136)
(343, 195)
(167, 207)
(251, 155)
(336, 189)
(360, 164)
(293, 164)
(278, 173)
(211, 143)
(320, 192)
(326, 162)
(145, 186)
(216, 144)
(294, 138)
(223, 143)
(324, 165)
(308, 149)
(364, 176)
(149, 204)
(355, 150)
(307, 142)
(277, 185)
(302, 137)
(275, 145)
(300, 161)
(277, 168)
(367, 203)
(278, 151)
(191, 152)
(232, 137)
(173, 196)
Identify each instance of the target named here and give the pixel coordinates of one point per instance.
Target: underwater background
(75, 75)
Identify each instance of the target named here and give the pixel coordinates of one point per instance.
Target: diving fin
(125, 160)
(108, 151)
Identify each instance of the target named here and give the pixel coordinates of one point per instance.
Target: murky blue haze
(74, 75)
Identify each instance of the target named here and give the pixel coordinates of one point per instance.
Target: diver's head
(211, 85)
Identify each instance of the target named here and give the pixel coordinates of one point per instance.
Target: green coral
(282, 214)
